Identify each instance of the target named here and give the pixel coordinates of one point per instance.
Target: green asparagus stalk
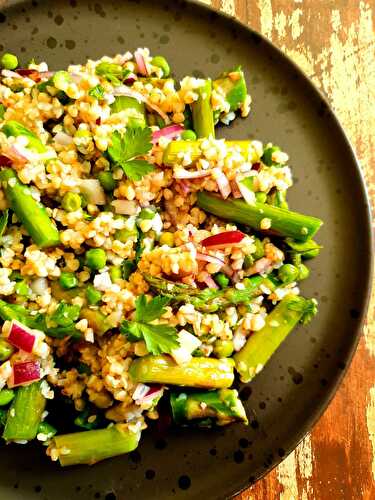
(96, 320)
(203, 118)
(282, 222)
(136, 110)
(212, 300)
(4, 221)
(31, 213)
(201, 372)
(89, 447)
(219, 407)
(260, 346)
(233, 86)
(25, 413)
(12, 128)
(175, 149)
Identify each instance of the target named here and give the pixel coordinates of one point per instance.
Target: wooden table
(333, 41)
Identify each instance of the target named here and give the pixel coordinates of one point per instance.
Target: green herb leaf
(114, 73)
(160, 338)
(148, 311)
(125, 148)
(97, 92)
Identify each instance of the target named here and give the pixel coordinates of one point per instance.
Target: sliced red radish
(21, 337)
(182, 173)
(260, 266)
(125, 207)
(26, 372)
(169, 132)
(225, 239)
(209, 258)
(141, 63)
(222, 182)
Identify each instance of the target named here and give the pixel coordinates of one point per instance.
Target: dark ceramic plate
(296, 386)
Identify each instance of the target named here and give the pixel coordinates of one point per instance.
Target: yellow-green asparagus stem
(176, 149)
(89, 447)
(202, 372)
(203, 117)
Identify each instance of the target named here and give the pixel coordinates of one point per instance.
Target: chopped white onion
(222, 182)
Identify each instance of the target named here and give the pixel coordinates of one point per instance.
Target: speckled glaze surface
(291, 393)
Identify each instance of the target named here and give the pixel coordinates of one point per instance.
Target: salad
(142, 259)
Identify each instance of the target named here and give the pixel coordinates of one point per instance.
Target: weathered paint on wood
(333, 41)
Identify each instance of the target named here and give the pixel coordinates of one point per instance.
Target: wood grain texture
(333, 41)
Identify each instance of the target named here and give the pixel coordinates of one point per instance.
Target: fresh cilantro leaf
(148, 311)
(97, 92)
(125, 148)
(114, 73)
(132, 330)
(160, 339)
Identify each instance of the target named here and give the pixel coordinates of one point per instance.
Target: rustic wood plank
(334, 43)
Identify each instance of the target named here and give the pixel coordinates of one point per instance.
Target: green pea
(6, 396)
(304, 272)
(9, 61)
(189, 135)
(107, 181)
(68, 280)
(267, 156)
(93, 295)
(47, 429)
(124, 234)
(146, 213)
(260, 197)
(6, 350)
(288, 273)
(71, 202)
(22, 289)
(223, 348)
(161, 62)
(259, 250)
(221, 279)
(95, 258)
(115, 273)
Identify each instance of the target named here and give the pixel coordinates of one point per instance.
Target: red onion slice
(21, 337)
(141, 63)
(209, 258)
(182, 173)
(169, 132)
(260, 266)
(222, 182)
(210, 282)
(126, 91)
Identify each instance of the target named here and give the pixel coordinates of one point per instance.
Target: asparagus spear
(202, 372)
(219, 407)
(211, 300)
(283, 222)
(29, 211)
(15, 129)
(136, 110)
(233, 86)
(260, 346)
(89, 447)
(25, 413)
(203, 118)
(175, 149)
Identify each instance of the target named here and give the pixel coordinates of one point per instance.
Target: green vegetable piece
(135, 110)
(71, 202)
(259, 249)
(9, 61)
(114, 73)
(6, 396)
(206, 373)
(12, 128)
(25, 413)
(31, 213)
(223, 348)
(3, 417)
(115, 272)
(96, 320)
(203, 118)
(82, 420)
(288, 273)
(97, 92)
(188, 122)
(161, 62)
(260, 346)
(124, 234)
(6, 349)
(248, 261)
(4, 221)
(128, 267)
(233, 86)
(303, 272)
(90, 447)
(61, 79)
(220, 407)
(283, 222)
(47, 429)
(189, 135)
(308, 249)
(267, 156)
(221, 279)
(22, 289)
(2, 111)
(146, 213)
(68, 280)
(107, 181)
(278, 199)
(64, 315)
(95, 258)
(261, 197)
(175, 149)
